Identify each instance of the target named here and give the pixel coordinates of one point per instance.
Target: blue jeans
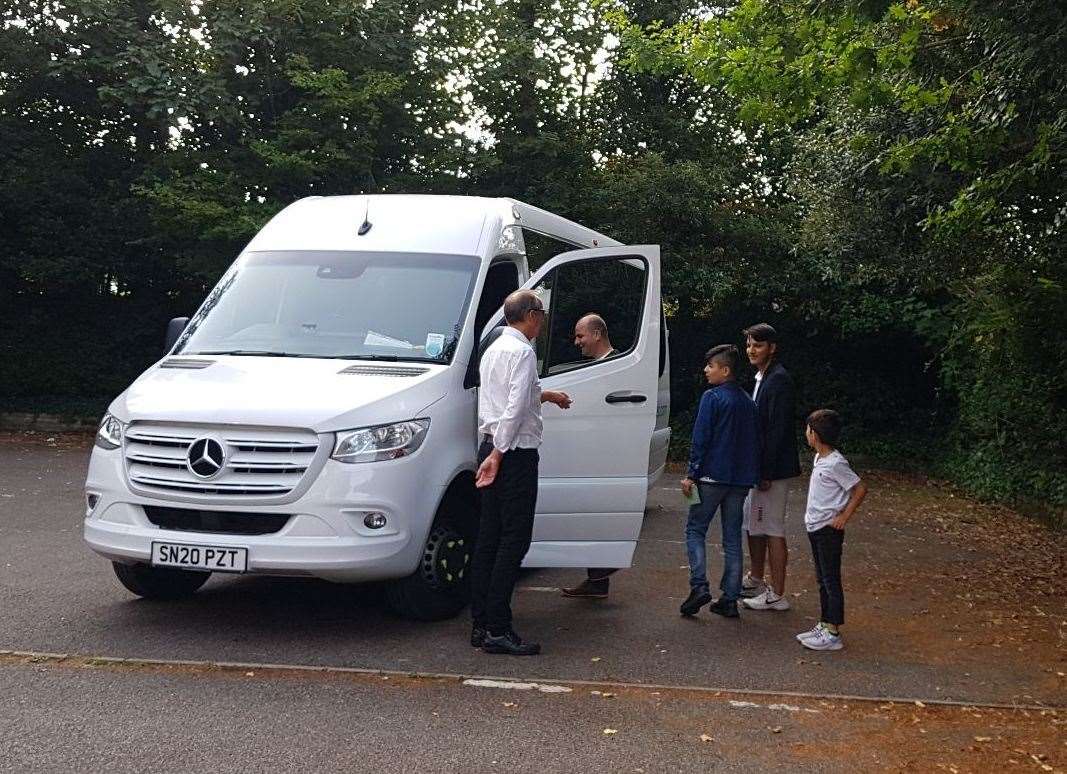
(732, 500)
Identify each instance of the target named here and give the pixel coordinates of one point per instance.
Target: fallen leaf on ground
(510, 704)
(610, 731)
(706, 738)
(983, 739)
(776, 730)
(595, 658)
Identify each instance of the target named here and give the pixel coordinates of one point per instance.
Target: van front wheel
(440, 587)
(159, 582)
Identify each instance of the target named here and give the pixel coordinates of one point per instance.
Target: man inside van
(510, 428)
(592, 340)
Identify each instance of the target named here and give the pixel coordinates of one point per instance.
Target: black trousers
(826, 546)
(503, 537)
(599, 573)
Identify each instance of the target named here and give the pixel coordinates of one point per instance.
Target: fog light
(374, 520)
(91, 499)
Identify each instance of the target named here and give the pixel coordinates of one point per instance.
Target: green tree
(928, 172)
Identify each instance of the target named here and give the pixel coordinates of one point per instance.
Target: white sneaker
(768, 600)
(823, 640)
(810, 632)
(751, 587)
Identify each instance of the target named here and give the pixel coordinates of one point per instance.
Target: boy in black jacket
(765, 506)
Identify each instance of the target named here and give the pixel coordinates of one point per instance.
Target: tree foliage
(884, 181)
(927, 163)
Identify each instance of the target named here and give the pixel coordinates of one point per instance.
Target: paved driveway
(900, 641)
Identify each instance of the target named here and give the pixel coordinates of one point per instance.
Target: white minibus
(317, 415)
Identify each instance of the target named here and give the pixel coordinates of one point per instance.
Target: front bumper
(325, 536)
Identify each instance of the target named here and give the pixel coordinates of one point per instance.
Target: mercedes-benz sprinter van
(317, 415)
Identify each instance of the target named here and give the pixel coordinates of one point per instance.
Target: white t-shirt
(831, 482)
(509, 399)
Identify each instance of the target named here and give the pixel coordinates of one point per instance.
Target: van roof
(409, 223)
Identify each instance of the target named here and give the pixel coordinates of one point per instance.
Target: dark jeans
(826, 545)
(503, 537)
(732, 500)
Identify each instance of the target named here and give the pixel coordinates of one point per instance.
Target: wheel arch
(460, 504)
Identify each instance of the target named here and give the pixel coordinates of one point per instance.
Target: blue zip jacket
(726, 438)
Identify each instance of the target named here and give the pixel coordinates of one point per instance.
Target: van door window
(595, 308)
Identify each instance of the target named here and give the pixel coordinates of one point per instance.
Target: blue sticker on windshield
(435, 344)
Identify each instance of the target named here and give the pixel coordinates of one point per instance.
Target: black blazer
(776, 405)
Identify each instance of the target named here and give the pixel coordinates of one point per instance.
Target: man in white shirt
(510, 428)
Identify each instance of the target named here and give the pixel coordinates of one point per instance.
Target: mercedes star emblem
(206, 457)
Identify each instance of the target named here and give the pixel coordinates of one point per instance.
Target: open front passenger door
(595, 457)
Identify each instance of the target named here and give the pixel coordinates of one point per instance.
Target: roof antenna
(363, 229)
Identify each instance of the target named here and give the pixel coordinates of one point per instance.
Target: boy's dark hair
(827, 425)
(761, 332)
(725, 355)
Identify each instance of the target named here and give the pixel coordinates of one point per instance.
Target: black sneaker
(697, 599)
(477, 637)
(510, 644)
(725, 607)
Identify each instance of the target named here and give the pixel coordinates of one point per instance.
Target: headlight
(109, 434)
(386, 442)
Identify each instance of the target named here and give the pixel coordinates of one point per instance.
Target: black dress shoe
(696, 600)
(477, 637)
(725, 607)
(510, 644)
(589, 589)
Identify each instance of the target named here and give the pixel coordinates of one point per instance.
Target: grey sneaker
(751, 587)
(823, 640)
(810, 632)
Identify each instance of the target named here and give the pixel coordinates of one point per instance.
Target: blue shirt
(726, 439)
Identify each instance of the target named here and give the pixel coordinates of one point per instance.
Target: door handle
(625, 397)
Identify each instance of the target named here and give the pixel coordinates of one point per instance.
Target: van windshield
(353, 305)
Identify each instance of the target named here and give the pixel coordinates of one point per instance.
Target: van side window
(595, 308)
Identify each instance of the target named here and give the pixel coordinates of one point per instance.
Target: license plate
(190, 557)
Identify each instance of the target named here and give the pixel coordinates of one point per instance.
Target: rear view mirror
(174, 330)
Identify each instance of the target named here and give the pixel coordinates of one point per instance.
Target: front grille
(254, 462)
(218, 522)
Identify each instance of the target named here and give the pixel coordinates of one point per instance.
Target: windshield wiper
(249, 352)
(272, 353)
(384, 358)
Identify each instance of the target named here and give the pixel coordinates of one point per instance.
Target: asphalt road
(58, 597)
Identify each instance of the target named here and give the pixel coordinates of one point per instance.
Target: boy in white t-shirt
(834, 494)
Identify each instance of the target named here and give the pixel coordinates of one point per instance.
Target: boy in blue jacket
(723, 466)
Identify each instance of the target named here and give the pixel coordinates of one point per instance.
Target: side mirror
(174, 330)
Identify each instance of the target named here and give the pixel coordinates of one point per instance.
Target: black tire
(440, 587)
(159, 582)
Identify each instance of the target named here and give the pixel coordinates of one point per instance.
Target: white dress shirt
(759, 381)
(509, 398)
